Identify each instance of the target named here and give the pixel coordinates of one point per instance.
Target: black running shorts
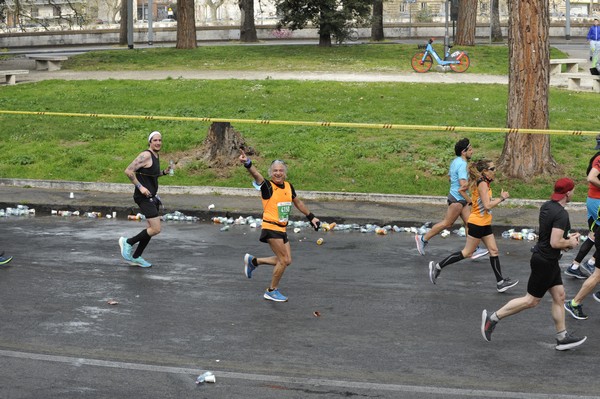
(267, 234)
(148, 207)
(545, 274)
(476, 231)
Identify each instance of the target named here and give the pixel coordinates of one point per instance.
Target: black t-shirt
(552, 215)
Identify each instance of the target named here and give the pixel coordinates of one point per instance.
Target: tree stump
(222, 145)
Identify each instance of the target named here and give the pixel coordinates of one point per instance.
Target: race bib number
(283, 211)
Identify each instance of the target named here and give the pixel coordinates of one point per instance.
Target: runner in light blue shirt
(459, 202)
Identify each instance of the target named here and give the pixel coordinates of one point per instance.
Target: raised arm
(247, 162)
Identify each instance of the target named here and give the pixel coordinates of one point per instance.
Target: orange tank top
(479, 215)
(276, 210)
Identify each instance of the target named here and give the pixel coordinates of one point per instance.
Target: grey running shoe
(569, 342)
(575, 311)
(487, 326)
(506, 284)
(596, 296)
(434, 271)
(479, 252)
(577, 273)
(421, 244)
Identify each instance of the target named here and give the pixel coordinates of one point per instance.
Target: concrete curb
(250, 192)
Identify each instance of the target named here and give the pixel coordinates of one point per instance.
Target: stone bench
(574, 81)
(11, 76)
(48, 62)
(572, 65)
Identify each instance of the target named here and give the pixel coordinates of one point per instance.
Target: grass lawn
(320, 158)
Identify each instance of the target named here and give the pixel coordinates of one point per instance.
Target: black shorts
(148, 206)
(479, 231)
(545, 274)
(267, 234)
(452, 200)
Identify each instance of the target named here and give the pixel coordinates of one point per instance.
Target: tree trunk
(467, 22)
(247, 26)
(525, 155)
(324, 40)
(222, 146)
(377, 22)
(495, 18)
(123, 23)
(186, 25)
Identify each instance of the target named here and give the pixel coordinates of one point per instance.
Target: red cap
(561, 188)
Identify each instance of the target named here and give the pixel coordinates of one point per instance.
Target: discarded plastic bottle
(206, 377)
(171, 168)
(506, 234)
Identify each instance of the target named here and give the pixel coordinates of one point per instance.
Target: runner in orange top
(278, 195)
(481, 174)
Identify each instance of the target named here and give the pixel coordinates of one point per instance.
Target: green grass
(327, 159)
(355, 58)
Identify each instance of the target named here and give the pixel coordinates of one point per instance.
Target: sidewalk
(380, 209)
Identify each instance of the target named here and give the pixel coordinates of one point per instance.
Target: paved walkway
(575, 49)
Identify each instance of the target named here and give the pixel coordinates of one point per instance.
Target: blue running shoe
(275, 295)
(141, 262)
(589, 268)
(3, 260)
(248, 266)
(125, 249)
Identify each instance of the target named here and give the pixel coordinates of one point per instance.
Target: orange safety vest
(276, 210)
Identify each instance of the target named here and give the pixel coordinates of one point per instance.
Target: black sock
(495, 262)
(144, 240)
(135, 239)
(254, 262)
(583, 250)
(455, 257)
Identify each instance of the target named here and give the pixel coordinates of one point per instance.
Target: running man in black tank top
(144, 172)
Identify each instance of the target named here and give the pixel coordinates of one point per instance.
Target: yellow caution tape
(317, 124)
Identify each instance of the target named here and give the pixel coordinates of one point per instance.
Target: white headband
(154, 133)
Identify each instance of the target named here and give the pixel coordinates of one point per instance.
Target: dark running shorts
(266, 235)
(452, 200)
(479, 231)
(545, 274)
(148, 207)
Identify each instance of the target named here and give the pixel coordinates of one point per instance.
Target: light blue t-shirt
(458, 171)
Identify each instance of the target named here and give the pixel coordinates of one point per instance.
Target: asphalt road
(384, 330)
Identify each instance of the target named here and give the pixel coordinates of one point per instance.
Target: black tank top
(148, 177)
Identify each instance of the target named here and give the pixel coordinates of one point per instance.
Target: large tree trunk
(222, 146)
(377, 22)
(467, 22)
(525, 155)
(247, 26)
(123, 23)
(186, 25)
(495, 18)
